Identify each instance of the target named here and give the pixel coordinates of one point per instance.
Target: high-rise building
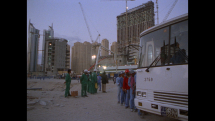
(114, 47)
(139, 19)
(105, 43)
(81, 57)
(77, 57)
(47, 34)
(88, 55)
(56, 56)
(67, 57)
(33, 45)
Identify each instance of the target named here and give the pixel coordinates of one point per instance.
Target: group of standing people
(91, 82)
(126, 83)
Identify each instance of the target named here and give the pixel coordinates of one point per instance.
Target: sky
(68, 21)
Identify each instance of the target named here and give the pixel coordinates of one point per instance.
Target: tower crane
(173, 5)
(87, 25)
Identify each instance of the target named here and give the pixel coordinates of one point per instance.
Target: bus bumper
(160, 109)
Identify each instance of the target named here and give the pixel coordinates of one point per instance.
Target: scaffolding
(139, 19)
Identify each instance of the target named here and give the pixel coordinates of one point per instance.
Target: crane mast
(86, 22)
(173, 5)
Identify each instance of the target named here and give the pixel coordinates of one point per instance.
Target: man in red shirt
(126, 88)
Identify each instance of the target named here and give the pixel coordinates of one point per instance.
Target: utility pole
(157, 11)
(126, 26)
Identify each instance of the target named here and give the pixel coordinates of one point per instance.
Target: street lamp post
(94, 58)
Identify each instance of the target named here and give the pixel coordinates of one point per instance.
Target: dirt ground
(49, 104)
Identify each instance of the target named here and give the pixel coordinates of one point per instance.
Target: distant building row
(84, 54)
(55, 52)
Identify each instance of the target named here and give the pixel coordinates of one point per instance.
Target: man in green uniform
(68, 82)
(84, 84)
(88, 81)
(93, 81)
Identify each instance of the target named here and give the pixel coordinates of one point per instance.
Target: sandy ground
(49, 104)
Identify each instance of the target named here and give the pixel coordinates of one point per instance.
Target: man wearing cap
(118, 86)
(132, 85)
(68, 82)
(126, 88)
(84, 84)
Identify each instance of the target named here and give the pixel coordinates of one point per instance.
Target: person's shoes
(135, 110)
(126, 107)
(132, 110)
(118, 102)
(86, 96)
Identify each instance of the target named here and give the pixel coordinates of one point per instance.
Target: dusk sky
(68, 21)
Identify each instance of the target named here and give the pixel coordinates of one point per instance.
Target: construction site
(90, 55)
(124, 52)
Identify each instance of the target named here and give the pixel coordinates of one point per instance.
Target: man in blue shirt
(118, 86)
(123, 95)
(99, 81)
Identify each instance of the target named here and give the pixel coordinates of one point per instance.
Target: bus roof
(165, 23)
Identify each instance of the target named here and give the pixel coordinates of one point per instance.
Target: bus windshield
(165, 46)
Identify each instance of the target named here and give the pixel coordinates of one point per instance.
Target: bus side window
(179, 43)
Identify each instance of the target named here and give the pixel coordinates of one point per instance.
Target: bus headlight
(143, 94)
(138, 93)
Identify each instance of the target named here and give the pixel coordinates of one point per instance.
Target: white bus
(162, 72)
